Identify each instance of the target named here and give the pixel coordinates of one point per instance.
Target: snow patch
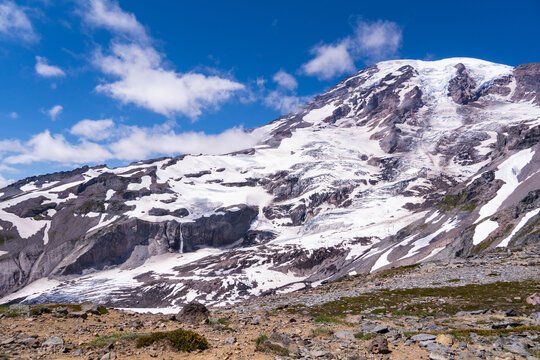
(482, 231)
(508, 171)
(518, 227)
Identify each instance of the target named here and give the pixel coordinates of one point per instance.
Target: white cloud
(125, 143)
(329, 61)
(45, 147)
(138, 72)
(93, 129)
(284, 103)
(10, 145)
(108, 15)
(285, 80)
(376, 41)
(54, 111)
(13, 115)
(372, 41)
(144, 82)
(14, 23)
(46, 70)
(141, 143)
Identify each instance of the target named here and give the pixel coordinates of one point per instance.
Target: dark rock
(379, 345)
(511, 312)
(193, 313)
(381, 329)
(77, 314)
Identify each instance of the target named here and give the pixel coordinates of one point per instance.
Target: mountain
(405, 161)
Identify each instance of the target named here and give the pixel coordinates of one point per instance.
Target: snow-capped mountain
(405, 161)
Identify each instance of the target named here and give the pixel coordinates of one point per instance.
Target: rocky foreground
(482, 308)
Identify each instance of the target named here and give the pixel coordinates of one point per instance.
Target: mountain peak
(402, 162)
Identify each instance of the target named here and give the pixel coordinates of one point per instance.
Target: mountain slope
(402, 162)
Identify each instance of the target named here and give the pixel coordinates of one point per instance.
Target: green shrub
(321, 332)
(102, 310)
(363, 336)
(262, 344)
(181, 340)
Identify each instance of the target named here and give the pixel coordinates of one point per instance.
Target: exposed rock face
(527, 82)
(405, 161)
(462, 88)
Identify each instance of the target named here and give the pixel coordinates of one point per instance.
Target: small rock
(379, 345)
(230, 340)
(444, 339)
(344, 335)
(381, 329)
(535, 316)
(256, 320)
(61, 310)
(321, 354)
(423, 337)
(437, 355)
(78, 352)
(53, 341)
(511, 312)
(77, 314)
(89, 307)
(478, 312)
(7, 341)
(109, 356)
(533, 299)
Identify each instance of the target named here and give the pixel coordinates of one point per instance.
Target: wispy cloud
(283, 97)
(371, 42)
(107, 14)
(376, 41)
(13, 115)
(285, 103)
(14, 23)
(54, 111)
(285, 80)
(44, 69)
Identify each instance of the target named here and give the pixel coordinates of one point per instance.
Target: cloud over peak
(330, 61)
(371, 42)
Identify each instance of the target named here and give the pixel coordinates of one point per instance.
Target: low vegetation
(439, 301)
(263, 344)
(181, 340)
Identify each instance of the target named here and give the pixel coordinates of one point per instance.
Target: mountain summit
(403, 162)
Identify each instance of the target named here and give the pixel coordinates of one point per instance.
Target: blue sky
(108, 81)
